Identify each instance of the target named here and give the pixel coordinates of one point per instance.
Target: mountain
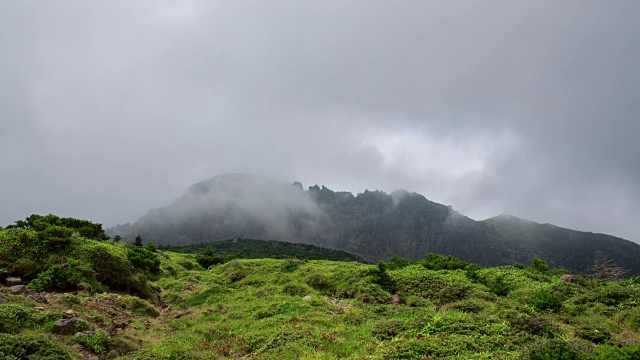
(562, 247)
(373, 225)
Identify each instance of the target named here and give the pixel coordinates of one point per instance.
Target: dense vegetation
(258, 249)
(51, 253)
(374, 225)
(439, 307)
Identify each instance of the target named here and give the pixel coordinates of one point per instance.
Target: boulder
(307, 298)
(12, 281)
(569, 278)
(395, 299)
(17, 289)
(65, 326)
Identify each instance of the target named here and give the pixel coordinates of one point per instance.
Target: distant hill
(258, 249)
(373, 224)
(561, 247)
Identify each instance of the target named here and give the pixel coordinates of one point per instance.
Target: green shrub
(555, 349)
(189, 265)
(32, 347)
(608, 352)
(397, 262)
(469, 305)
(143, 259)
(435, 261)
(291, 265)
(495, 283)
(295, 289)
(531, 324)
(367, 292)
(451, 293)
(416, 301)
(593, 331)
(70, 300)
(209, 258)
(539, 265)
(544, 300)
(387, 330)
(137, 306)
(321, 283)
(98, 341)
(13, 317)
(204, 296)
(82, 325)
(380, 276)
(56, 237)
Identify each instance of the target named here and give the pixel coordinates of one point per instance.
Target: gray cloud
(112, 108)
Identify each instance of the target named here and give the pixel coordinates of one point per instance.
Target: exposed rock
(69, 314)
(65, 326)
(395, 299)
(12, 281)
(569, 278)
(87, 355)
(84, 333)
(113, 329)
(307, 298)
(183, 314)
(17, 289)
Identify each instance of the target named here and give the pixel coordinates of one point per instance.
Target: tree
(117, 238)
(604, 268)
(138, 241)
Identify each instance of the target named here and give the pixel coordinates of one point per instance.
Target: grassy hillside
(259, 249)
(296, 309)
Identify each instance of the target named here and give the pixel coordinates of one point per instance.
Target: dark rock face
(374, 225)
(65, 326)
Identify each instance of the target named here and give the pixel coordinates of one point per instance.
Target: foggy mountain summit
(372, 224)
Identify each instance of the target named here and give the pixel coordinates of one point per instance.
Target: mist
(110, 109)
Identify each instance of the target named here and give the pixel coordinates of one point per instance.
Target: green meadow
(138, 302)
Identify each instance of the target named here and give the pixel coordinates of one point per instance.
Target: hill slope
(373, 224)
(261, 249)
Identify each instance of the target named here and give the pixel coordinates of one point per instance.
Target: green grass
(310, 309)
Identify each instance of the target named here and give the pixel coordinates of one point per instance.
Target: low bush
(32, 347)
(556, 349)
(539, 265)
(321, 283)
(435, 261)
(98, 341)
(137, 306)
(609, 352)
(544, 300)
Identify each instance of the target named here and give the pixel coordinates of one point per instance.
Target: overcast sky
(111, 108)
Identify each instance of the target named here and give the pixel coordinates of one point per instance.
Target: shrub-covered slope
(258, 249)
